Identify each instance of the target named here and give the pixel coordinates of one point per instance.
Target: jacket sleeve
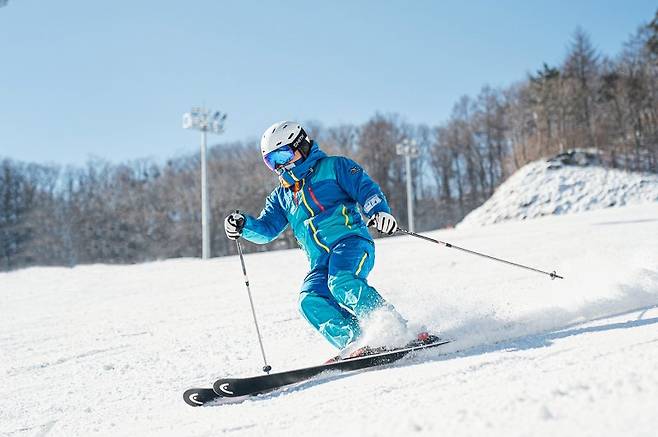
(269, 224)
(355, 181)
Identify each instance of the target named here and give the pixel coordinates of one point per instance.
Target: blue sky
(81, 79)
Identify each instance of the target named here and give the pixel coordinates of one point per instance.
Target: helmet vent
(279, 143)
(284, 126)
(291, 134)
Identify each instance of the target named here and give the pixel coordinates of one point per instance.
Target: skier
(317, 196)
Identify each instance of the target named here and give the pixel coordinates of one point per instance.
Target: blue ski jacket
(321, 205)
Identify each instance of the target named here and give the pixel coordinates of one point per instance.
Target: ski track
(108, 350)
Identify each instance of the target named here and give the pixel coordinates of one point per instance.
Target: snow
(109, 350)
(550, 188)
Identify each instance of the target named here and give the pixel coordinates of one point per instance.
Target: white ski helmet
(284, 133)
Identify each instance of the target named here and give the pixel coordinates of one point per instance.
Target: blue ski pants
(335, 295)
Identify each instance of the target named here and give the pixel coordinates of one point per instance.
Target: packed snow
(109, 350)
(551, 187)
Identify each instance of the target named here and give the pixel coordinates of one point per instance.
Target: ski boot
(365, 350)
(422, 339)
(356, 353)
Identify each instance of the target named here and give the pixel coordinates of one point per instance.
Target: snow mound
(566, 184)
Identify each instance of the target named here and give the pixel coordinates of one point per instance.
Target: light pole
(206, 121)
(409, 149)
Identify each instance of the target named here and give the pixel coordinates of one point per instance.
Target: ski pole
(266, 367)
(552, 274)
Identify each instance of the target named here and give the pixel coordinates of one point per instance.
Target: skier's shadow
(540, 340)
(624, 222)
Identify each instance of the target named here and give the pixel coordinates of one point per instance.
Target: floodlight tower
(206, 121)
(409, 149)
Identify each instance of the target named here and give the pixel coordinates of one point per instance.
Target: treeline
(142, 210)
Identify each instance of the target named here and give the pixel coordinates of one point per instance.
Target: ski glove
(383, 222)
(233, 225)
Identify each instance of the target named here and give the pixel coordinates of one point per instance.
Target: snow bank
(549, 187)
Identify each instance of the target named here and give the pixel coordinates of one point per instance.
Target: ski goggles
(279, 157)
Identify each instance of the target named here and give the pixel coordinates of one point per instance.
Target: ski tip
(191, 398)
(196, 397)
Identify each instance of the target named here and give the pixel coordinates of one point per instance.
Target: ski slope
(108, 350)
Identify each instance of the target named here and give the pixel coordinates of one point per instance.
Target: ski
(238, 387)
(196, 397)
(230, 390)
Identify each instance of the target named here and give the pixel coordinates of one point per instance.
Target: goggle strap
(299, 141)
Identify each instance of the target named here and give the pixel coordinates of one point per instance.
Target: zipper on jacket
(308, 207)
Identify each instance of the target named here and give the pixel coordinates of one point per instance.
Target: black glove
(233, 225)
(383, 222)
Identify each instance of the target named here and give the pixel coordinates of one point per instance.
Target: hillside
(572, 182)
(108, 350)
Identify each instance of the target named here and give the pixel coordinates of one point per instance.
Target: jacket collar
(300, 171)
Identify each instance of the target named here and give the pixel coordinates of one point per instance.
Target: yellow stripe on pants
(363, 259)
(315, 236)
